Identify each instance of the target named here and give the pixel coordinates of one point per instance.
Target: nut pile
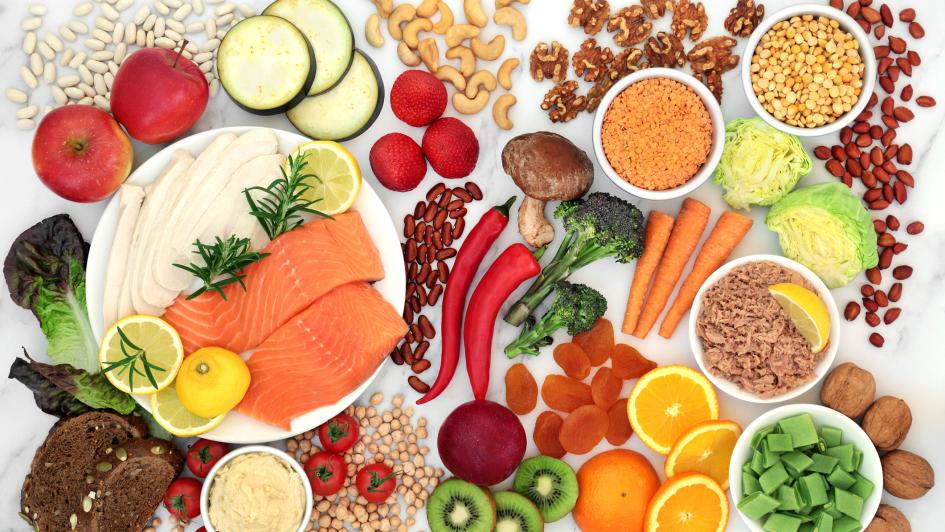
(868, 152)
(79, 60)
(430, 231)
(390, 436)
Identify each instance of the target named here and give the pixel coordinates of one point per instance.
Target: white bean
(225, 9)
(102, 103)
(141, 15)
(36, 64)
(246, 10)
(213, 2)
(83, 9)
(47, 109)
(110, 12)
(27, 112)
(109, 79)
(130, 31)
(99, 83)
(25, 124)
(175, 25)
(49, 73)
(203, 57)
(104, 36)
(54, 42)
(104, 24)
(39, 10)
(210, 46)
(173, 4)
(183, 12)
(149, 39)
(59, 95)
(79, 27)
(121, 51)
(86, 89)
(66, 57)
(67, 34)
(27, 76)
(94, 44)
(159, 27)
(195, 27)
(141, 38)
(85, 74)
(198, 7)
(206, 67)
(78, 60)
(225, 19)
(16, 95)
(149, 22)
(68, 81)
(119, 32)
(164, 42)
(85, 101)
(161, 8)
(172, 35)
(31, 23)
(211, 28)
(29, 42)
(103, 55)
(113, 67)
(191, 47)
(96, 66)
(44, 50)
(122, 5)
(214, 87)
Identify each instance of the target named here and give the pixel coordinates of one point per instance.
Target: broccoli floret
(576, 308)
(598, 225)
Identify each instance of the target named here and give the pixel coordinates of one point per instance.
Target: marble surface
(911, 365)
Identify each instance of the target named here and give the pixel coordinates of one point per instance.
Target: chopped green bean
(801, 428)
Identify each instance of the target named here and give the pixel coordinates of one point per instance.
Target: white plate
(238, 428)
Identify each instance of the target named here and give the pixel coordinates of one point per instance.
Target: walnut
(906, 475)
(691, 18)
(889, 519)
(713, 80)
(589, 14)
(562, 102)
(713, 54)
(657, 8)
(549, 63)
(597, 92)
(591, 62)
(887, 422)
(631, 25)
(848, 389)
(627, 62)
(665, 50)
(744, 17)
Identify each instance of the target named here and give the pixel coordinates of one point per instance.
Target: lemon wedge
(338, 173)
(807, 310)
(171, 414)
(141, 354)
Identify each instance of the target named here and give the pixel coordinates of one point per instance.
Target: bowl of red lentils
(659, 133)
(811, 71)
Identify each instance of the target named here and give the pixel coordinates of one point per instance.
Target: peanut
(500, 111)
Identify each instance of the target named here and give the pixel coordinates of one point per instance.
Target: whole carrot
(658, 228)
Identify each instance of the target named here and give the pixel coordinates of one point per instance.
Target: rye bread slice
(56, 483)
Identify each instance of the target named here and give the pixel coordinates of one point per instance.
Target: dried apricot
(605, 388)
(628, 363)
(573, 360)
(547, 429)
(564, 393)
(583, 429)
(521, 390)
(598, 342)
(619, 430)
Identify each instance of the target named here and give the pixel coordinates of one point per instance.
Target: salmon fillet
(321, 355)
(304, 264)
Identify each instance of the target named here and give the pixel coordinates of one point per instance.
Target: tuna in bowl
(750, 328)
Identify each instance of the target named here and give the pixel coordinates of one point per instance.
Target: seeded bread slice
(55, 485)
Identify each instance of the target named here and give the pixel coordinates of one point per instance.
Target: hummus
(256, 492)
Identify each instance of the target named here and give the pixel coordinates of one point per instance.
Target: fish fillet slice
(321, 355)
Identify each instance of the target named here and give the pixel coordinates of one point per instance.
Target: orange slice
(690, 502)
(667, 402)
(707, 449)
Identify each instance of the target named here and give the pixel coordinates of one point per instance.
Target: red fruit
(339, 434)
(376, 482)
(481, 442)
(398, 162)
(326, 472)
(418, 98)
(182, 499)
(451, 147)
(203, 455)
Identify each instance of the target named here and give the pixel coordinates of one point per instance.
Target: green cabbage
(759, 163)
(825, 228)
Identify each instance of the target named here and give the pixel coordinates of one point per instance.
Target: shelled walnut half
(710, 59)
(631, 25)
(744, 18)
(590, 15)
(689, 18)
(563, 103)
(657, 8)
(549, 62)
(592, 61)
(665, 50)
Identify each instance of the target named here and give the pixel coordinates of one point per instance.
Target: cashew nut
(446, 18)
(467, 106)
(384, 7)
(505, 72)
(450, 74)
(488, 51)
(509, 16)
(403, 14)
(474, 13)
(459, 33)
(372, 31)
(504, 3)
(406, 55)
(429, 54)
(500, 111)
(427, 8)
(414, 27)
(483, 79)
(467, 60)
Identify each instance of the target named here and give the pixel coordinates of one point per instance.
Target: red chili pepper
(514, 266)
(467, 262)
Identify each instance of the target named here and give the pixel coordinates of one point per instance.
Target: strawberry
(418, 98)
(451, 147)
(398, 162)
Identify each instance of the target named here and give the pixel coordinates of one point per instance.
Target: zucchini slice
(329, 33)
(266, 65)
(346, 111)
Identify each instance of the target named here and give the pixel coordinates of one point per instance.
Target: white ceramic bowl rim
(846, 23)
(820, 370)
(718, 133)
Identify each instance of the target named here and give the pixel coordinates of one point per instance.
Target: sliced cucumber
(327, 30)
(346, 111)
(266, 64)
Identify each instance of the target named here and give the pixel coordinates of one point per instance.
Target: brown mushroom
(547, 167)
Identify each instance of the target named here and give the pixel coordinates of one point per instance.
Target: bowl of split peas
(809, 70)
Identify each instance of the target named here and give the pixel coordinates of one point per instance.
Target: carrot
(658, 228)
(729, 230)
(691, 222)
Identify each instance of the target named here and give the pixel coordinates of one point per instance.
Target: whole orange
(614, 490)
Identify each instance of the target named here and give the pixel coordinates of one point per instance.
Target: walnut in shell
(665, 50)
(887, 422)
(889, 519)
(657, 8)
(906, 475)
(689, 18)
(592, 61)
(848, 389)
(590, 15)
(549, 62)
(744, 17)
(563, 103)
(631, 25)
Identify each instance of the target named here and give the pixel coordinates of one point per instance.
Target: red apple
(158, 94)
(81, 153)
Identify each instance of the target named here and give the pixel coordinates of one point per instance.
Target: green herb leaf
(280, 206)
(226, 259)
(133, 355)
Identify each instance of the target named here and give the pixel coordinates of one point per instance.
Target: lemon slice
(339, 176)
(141, 354)
(806, 310)
(170, 413)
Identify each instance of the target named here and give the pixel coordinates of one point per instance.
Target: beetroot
(481, 442)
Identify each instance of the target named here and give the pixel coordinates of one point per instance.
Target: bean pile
(868, 153)
(430, 231)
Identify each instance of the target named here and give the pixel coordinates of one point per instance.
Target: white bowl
(718, 133)
(205, 490)
(823, 416)
(819, 287)
(847, 24)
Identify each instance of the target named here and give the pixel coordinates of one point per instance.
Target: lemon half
(150, 349)
(339, 176)
(171, 414)
(806, 310)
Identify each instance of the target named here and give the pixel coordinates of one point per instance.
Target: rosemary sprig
(132, 356)
(223, 264)
(280, 207)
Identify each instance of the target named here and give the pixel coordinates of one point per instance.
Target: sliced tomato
(203, 455)
(182, 499)
(326, 472)
(339, 434)
(376, 482)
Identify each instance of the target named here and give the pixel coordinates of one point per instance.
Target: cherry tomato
(327, 472)
(339, 434)
(203, 455)
(376, 482)
(202, 529)
(182, 499)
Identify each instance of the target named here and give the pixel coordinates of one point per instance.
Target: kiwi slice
(515, 513)
(458, 506)
(549, 483)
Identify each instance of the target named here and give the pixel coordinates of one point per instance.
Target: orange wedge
(690, 502)
(667, 402)
(707, 449)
